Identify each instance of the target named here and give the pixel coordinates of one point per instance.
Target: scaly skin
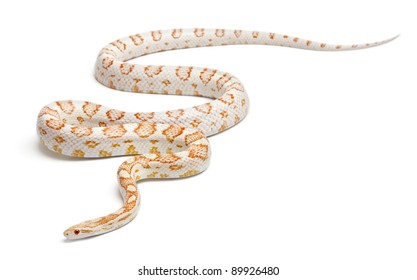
(169, 144)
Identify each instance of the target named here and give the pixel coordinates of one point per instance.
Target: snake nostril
(76, 232)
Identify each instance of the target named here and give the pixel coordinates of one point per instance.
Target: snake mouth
(72, 233)
(75, 233)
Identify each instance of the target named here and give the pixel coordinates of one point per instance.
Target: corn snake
(168, 144)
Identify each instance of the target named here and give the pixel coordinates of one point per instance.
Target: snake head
(78, 231)
(75, 233)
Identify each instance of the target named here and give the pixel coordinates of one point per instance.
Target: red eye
(76, 232)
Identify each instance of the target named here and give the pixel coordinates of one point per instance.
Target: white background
(319, 179)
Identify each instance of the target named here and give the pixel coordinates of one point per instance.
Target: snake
(165, 144)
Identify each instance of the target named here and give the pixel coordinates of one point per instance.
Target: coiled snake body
(169, 144)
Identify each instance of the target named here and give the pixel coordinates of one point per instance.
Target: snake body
(169, 144)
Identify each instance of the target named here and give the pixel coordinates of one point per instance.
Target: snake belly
(167, 144)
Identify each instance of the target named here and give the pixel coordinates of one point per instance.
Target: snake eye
(76, 232)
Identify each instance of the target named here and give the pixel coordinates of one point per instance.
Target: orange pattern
(168, 144)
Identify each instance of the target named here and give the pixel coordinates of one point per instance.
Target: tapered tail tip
(395, 37)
